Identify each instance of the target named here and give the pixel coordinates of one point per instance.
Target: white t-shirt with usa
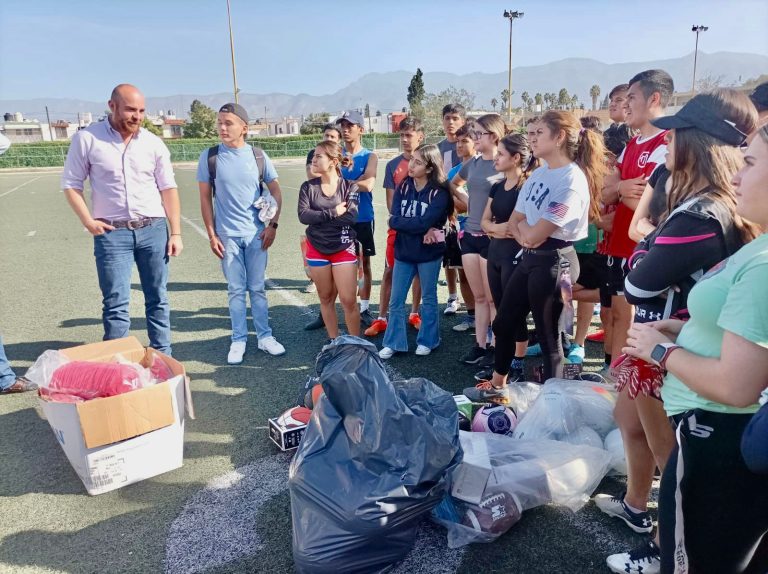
(560, 196)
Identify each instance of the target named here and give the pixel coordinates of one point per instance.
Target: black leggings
(500, 269)
(724, 504)
(535, 286)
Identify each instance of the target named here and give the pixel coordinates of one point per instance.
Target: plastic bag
(90, 380)
(372, 462)
(563, 407)
(522, 396)
(41, 372)
(501, 477)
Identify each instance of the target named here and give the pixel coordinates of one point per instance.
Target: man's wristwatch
(661, 353)
(273, 225)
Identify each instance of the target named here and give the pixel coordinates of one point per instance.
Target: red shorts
(389, 254)
(317, 259)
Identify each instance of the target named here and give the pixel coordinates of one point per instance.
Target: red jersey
(639, 158)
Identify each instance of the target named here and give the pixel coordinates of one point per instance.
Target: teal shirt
(589, 243)
(732, 296)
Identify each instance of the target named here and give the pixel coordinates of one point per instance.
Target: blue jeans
(116, 251)
(402, 276)
(244, 266)
(7, 376)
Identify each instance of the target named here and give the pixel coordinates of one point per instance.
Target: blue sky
(81, 48)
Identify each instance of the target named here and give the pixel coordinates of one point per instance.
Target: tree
(539, 100)
(709, 82)
(202, 121)
(416, 94)
(494, 103)
(152, 128)
(594, 93)
(433, 107)
(526, 97)
(504, 98)
(563, 99)
(314, 123)
(574, 101)
(378, 113)
(606, 103)
(367, 113)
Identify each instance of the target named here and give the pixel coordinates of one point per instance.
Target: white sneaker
(423, 350)
(386, 353)
(452, 307)
(236, 352)
(642, 560)
(271, 346)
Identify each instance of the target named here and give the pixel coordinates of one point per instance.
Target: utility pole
(511, 16)
(266, 119)
(50, 129)
(696, 29)
(232, 51)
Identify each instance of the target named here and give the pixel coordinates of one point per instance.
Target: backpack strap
(258, 155)
(212, 153)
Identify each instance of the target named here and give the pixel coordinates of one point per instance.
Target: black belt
(137, 223)
(560, 251)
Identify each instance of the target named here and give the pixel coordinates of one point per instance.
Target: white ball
(615, 446)
(586, 436)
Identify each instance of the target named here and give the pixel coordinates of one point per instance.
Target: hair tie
(581, 131)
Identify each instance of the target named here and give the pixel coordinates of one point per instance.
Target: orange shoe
(597, 336)
(376, 328)
(415, 320)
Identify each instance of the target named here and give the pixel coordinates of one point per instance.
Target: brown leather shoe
(22, 385)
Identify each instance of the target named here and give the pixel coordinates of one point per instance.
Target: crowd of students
(659, 219)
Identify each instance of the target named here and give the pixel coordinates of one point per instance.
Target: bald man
(135, 212)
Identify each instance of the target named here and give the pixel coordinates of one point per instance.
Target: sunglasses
(478, 135)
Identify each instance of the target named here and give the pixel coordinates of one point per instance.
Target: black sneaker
(314, 324)
(484, 375)
(474, 356)
(366, 318)
(615, 506)
(645, 559)
(515, 375)
(490, 357)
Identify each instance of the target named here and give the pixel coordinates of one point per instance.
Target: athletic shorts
(452, 256)
(364, 231)
(593, 270)
(343, 257)
(389, 253)
(475, 244)
(613, 281)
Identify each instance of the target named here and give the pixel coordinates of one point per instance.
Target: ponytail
(590, 157)
(333, 151)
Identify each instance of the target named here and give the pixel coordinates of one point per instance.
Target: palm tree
(594, 93)
(574, 102)
(494, 103)
(539, 100)
(526, 99)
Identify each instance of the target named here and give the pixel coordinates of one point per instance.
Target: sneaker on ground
(513, 376)
(386, 353)
(314, 324)
(489, 358)
(615, 506)
(423, 350)
(236, 352)
(414, 320)
(376, 328)
(485, 392)
(270, 345)
(466, 324)
(474, 356)
(452, 307)
(645, 559)
(20, 385)
(484, 375)
(597, 336)
(576, 354)
(533, 351)
(310, 287)
(367, 318)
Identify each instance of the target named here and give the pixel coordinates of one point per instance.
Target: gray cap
(236, 109)
(352, 116)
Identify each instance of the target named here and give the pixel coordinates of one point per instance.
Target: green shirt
(589, 243)
(732, 296)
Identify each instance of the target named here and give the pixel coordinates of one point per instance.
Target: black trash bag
(372, 462)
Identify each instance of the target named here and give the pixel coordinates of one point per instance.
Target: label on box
(107, 471)
(285, 438)
(464, 405)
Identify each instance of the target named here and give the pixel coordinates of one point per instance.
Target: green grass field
(227, 509)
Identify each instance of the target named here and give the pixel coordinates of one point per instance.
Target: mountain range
(386, 92)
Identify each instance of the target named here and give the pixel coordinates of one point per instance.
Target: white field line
(20, 186)
(31, 233)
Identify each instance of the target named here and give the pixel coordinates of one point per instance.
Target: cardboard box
(116, 441)
(463, 405)
(286, 438)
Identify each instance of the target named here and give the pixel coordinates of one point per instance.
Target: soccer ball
(496, 419)
(615, 446)
(495, 514)
(294, 417)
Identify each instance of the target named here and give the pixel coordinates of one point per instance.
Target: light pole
(232, 51)
(511, 16)
(696, 29)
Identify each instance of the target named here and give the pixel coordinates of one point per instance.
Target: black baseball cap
(236, 109)
(697, 113)
(760, 97)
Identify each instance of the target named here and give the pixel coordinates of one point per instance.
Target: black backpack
(258, 155)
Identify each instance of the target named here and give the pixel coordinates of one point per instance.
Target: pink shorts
(317, 259)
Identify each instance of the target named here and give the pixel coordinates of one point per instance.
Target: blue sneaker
(467, 323)
(576, 354)
(533, 351)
